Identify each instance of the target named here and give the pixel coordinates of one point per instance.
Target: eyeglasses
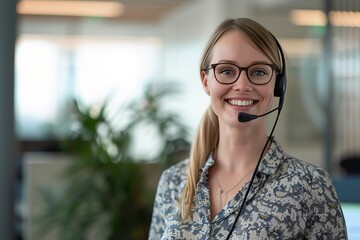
(228, 73)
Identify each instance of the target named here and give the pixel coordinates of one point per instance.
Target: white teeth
(241, 102)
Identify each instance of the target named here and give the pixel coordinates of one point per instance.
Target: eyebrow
(233, 62)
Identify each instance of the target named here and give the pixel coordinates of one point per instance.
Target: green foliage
(150, 110)
(106, 189)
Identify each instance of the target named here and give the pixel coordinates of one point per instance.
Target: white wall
(185, 33)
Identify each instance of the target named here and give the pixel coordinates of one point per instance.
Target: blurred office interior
(91, 52)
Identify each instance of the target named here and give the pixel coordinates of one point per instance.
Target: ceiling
(271, 12)
(149, 9)
(134, 10)
(156, 9)
(153, 10)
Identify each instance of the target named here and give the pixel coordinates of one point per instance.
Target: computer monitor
(348, 190)
(352, 218)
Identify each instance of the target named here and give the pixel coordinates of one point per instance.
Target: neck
(239, 149)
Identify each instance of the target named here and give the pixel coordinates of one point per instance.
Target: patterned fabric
(289, 199)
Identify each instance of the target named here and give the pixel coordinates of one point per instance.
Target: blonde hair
(207, 135)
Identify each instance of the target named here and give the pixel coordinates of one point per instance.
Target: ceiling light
(308, 17)
(345, 19)
(318, 18)
(70, 8)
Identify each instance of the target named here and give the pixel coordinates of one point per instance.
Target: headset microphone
(245, 117)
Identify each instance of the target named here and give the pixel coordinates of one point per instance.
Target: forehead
(237, 47)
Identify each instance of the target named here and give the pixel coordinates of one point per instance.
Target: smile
(242, 103)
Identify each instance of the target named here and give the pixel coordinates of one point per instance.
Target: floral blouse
(289, 199)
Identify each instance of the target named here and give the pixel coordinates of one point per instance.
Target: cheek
(271, 102)
(217, 91)
(269, 96)
(270, 90)
(216, 88)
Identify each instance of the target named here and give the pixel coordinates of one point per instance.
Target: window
(51, 70)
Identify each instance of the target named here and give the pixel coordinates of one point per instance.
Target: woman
(238, 182)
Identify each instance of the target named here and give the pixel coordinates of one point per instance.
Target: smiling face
(227, 100)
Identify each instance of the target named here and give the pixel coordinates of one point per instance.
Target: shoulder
(306, 171)
(174, 177)
(170, 187)
(312, 181)
(176, 172)
(294, 174)
(298, 182)
(279, 164)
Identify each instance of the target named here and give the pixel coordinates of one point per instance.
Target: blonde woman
(238, 182)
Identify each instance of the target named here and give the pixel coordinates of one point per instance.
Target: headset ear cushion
(280, 85)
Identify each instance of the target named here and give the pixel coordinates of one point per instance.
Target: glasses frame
(214, 65)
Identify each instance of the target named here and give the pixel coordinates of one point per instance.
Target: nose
(243, 83)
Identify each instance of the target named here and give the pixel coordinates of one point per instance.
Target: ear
(204, 81)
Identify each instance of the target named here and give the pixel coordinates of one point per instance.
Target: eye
(226, 70)
(259, 71)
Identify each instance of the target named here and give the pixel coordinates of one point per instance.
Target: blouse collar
(268, 165)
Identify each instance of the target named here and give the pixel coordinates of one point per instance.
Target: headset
(281, 78)
(279, 91)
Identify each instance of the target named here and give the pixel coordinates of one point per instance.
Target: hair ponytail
(206, 138)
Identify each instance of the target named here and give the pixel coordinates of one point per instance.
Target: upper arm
(326, 220)
(157, 226)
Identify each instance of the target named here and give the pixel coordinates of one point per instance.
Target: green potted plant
(106, 196)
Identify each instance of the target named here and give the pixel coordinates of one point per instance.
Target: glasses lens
(260, 73)
(226, 73)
